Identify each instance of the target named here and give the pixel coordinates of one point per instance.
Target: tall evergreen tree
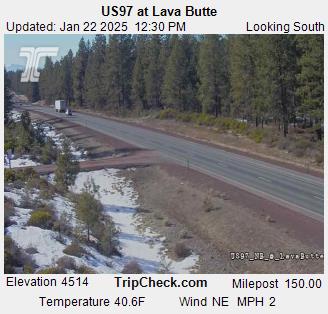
(7, 97)
(311, 78)
(154, 73)
(118, 70)
(283, 66)
(242, 74)
(212, 74)
(66, 76)
(138, 77)
(256, 77)
(47, 88)
(95, 93)
(175, 84)
(78, 72)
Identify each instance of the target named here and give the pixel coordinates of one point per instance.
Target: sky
(13, 43)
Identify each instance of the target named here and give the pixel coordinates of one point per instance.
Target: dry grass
(212, 233)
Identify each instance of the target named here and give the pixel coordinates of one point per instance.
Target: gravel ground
(189, 207)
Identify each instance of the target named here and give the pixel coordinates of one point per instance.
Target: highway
(289, 188)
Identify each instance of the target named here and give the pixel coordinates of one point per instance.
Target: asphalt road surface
(287, 187)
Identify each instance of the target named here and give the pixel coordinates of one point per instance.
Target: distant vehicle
(60, 105)
(68, 112)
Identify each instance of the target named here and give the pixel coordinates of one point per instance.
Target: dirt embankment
(209, 216)
(194, 209)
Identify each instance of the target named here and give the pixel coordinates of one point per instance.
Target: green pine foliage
(258, 78)
(66, 167)
(88, 210)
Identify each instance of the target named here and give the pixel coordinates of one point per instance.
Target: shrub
(62, 225)
(319, 156)
(167, 114)
(74, 249)
(52, 270)
(41, 218)
(27, 201)
(205, 119)
(26, 173)
(284, 143)
(300, 147)
(208, 205)
(271, 139)
(48, 152)
(10, 250)
(9, 211)
(184, 117)
(9, 175)
(85, 270)
(47, 190)
(14, 257)
(66, 262)
(132, 268)
(257, 135)
(181, 250)
(28, 268)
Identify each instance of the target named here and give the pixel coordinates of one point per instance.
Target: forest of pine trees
(259, 78)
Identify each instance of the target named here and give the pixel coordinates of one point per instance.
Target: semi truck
(60, 106)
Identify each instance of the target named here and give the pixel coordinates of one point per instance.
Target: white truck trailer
(60, 105)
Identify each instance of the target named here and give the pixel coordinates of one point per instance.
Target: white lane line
(318, 197)
(265, 179)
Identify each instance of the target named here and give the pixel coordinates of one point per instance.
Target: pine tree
(78, 72)
(263, 101)
(88, 210)
(154, 72)
(66, 76)
(138, 76)
(7, 98)
(310, 79)
(112, 74)
(175, 82)
(242, 75)
(212, 74)
(281, 51)
(95, 93)
(118, 70)
(46, 82)
(66, 167)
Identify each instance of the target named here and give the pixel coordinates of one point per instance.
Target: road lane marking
(318, 197)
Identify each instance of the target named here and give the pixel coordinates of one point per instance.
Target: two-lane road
(287, 187)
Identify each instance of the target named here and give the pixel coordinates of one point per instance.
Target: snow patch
(120, 202)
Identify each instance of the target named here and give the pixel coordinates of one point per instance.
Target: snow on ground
(23, 161)
(49, 245)
(15, 115)
(44, 241)
(58, 139)
(50, 132)
(14, 195)
(119, 200)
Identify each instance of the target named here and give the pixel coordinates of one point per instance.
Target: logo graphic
(33, 55)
